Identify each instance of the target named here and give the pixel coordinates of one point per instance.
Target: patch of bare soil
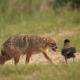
(40, 59)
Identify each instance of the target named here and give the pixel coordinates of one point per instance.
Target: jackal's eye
(53, 44)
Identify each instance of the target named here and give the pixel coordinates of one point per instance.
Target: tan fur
(17, 45)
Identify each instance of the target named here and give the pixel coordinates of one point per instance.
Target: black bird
(68, 51)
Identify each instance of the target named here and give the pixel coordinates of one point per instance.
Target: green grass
(69, 71)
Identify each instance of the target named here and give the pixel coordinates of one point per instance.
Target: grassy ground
(40, 72)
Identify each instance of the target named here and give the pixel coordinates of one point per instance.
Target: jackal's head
(52, 44)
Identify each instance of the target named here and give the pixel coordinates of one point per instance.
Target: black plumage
(68, 51)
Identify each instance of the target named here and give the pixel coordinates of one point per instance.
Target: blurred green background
(57, 18)
(60, 18)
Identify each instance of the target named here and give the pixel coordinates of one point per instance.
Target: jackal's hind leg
(4, 57)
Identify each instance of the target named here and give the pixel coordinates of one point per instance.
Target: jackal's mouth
(53, 46)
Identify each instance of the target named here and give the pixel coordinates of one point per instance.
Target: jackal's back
(28, 41)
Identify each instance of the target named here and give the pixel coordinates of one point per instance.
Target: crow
(68, 51)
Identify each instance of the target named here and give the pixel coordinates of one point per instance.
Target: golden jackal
(25, 44)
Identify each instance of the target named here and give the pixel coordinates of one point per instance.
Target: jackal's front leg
(46, 56)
